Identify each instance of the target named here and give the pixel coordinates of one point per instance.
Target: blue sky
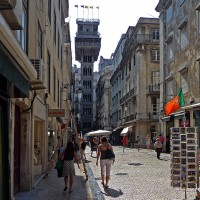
(115, 17)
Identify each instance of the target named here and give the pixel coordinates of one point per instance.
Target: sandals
(70, 191)
(65, 189)
(106, 186)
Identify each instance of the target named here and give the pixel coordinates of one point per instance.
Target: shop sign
(56, 113)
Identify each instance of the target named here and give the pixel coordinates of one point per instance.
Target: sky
(115, 17)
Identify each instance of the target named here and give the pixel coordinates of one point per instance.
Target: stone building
(116, 85)
(180, 60)
(32, 36)
(103, 94)
(136, 80)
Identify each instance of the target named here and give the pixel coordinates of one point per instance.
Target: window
(198, 21)
(129, 65)
(22, 34)
(169, 12)
(184, 81)
(170, 53)
(54, 34)
(155, 105)
(49, 10)
(58, 51)
(156, 34)
(155, 55)
(156, 80)
(169, 90)
(58, 93)
(48, 71)
(54, 81)
(134, 60)
(183, 37)
(39, 42)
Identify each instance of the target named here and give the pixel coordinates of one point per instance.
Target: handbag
(59, 167)
(110, 154)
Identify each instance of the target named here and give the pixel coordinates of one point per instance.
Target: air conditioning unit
(39, 67)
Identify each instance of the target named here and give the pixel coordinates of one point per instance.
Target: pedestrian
(148, 141)
(68, 166)
(137, 141)
(83, 147)
(105, 163)
(161, 138)
(94, 145)
(124, 142)
(167, 144)
(158, 147)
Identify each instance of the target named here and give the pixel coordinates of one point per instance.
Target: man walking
(158, 147)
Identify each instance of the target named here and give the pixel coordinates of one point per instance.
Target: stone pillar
(26, 152)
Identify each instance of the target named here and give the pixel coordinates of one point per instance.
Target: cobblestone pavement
(134, 176)
(140, 176)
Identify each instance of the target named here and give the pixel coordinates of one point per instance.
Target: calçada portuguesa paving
(134, 176)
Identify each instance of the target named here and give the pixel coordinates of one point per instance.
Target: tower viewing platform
(87, 40)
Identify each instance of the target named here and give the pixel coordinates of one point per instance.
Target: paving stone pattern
(134, 176)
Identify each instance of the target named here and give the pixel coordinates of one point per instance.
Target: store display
(184, 157)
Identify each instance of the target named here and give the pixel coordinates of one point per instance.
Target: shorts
(105, 165)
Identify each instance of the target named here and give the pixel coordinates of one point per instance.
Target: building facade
(87, 47)
(138, 75)
(31, 69)
(103, 94)
(180, 60)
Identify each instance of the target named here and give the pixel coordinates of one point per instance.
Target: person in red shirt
(124, 142)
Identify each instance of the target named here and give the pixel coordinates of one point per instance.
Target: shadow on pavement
(88, 161)
(121, 174)
(135, 164)
(112, 192)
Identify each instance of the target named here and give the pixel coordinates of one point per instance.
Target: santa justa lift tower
(87, 47)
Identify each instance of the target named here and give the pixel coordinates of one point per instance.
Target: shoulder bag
(110, 153)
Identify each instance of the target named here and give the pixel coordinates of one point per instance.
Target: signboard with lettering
(56, 113)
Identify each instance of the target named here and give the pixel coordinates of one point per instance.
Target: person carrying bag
(105, 153)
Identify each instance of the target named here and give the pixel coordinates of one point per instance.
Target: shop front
(4, 187)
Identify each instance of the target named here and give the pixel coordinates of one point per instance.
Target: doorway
(17, 150)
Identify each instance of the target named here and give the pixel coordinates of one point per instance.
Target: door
(17, 150)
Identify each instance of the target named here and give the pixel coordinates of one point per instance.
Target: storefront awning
(166, 119)
(125, 130)
(179, 115)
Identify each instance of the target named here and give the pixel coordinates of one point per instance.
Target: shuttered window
(169, 90)
(183, 37)
(170, 53)
(184, 81)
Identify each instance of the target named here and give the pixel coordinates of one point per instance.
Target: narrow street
(134, 175)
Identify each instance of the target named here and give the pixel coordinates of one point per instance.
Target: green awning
(9, 70)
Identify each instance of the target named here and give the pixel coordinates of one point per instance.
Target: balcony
(133, 42)
(154, 89)
(147, 116)
(82, 33)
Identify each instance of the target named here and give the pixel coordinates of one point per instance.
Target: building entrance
(17, 150)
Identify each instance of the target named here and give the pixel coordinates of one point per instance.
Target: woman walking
(105, 163)
(68, 165)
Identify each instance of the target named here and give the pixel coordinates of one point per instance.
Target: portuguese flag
(175, 103)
